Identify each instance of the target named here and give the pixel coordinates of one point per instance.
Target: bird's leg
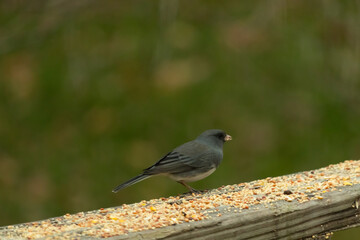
(193, 190)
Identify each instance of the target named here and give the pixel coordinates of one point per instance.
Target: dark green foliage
(93, 92)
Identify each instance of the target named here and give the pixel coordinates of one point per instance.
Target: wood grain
(279, 220)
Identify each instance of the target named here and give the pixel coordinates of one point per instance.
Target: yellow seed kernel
(346, 183)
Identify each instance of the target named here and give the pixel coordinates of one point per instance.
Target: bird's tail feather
(131, 182)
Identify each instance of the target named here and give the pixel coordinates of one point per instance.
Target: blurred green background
(93, 92)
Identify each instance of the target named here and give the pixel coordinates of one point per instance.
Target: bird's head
(214, 136)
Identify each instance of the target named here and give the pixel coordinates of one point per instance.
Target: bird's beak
(227, 138)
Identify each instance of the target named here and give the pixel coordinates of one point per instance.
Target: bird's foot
(196, 191)
(193, 190)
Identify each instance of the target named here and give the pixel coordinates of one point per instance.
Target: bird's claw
(193, 190)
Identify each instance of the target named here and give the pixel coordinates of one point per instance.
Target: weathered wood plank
(296, 206)
(280, 220)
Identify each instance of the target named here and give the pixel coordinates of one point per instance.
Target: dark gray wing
(187, 157)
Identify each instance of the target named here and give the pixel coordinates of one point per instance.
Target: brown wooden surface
(280, 220)
(324, 210)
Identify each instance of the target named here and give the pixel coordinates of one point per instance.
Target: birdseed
(162, 212)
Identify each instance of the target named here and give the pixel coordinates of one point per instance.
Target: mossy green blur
(91, 92)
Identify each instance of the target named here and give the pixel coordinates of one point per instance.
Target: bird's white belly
(192, 177)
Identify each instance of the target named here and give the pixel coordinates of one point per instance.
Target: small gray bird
(189, 162)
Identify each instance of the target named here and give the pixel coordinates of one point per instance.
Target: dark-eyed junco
(189, 162)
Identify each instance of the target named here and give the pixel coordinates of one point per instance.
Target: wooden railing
(306, 205)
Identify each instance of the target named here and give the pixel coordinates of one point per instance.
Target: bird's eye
(220, 135)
